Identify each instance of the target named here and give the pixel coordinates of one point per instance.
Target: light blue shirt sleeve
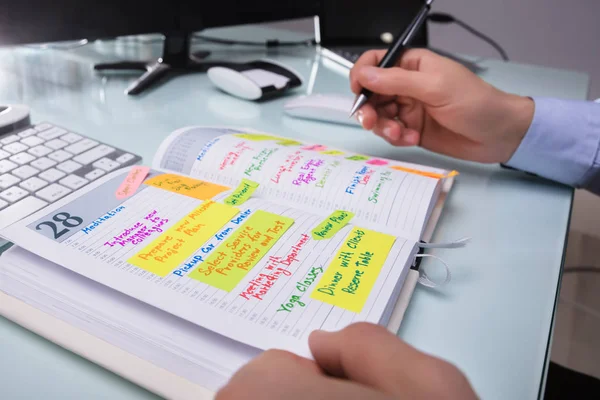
(562, 143)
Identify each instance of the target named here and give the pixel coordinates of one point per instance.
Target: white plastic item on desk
(255, 80)
(334, 108)
(13, 117)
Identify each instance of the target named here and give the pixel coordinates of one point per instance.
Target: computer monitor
(43, 21)
(344, 29)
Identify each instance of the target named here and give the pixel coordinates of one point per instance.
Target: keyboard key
(3, 204)
(43, 163)
(56, 144)
(73, 181)
(8, 180)
(43, 127)
(20, 210)
(25, 171)
(69, 166)
(27, 133)
(4, 154)
(22, 158)
(13, 194)
(60, 155)
(125, 158)
(95, 174)
(51, 175)
(15, 148)
(33, 184)
(93, 154)
(81, 146)
(6, 166)
(32, 141)
(9, 139)
(52, 193)
(39, 151)
(52, 133)
(71, 138)
(106, 164)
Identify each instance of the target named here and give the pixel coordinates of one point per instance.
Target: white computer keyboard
(43, 163)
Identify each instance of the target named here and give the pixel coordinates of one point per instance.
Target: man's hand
(363, 361)
(434, 102)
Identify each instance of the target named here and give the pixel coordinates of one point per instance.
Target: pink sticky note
(315, 147)
(377, 161)
(132, 181)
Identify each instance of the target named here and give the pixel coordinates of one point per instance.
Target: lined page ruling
(383, 194)
(262, 273)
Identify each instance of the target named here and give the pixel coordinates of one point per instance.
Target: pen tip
(355, 108)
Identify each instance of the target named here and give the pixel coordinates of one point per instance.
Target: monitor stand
(176, 59)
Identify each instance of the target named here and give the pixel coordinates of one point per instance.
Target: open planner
(232, 242)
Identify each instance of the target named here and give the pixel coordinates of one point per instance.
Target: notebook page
(254, 273)
(195, 353)
(384, 194)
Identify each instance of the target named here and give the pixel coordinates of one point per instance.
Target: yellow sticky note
(289, 142)
(261, 137)
(425, 173)
(195, 188)
(242, 193)
(229, 263)
(257, 137)
(349, 278)
(180, 241)
(332, 152)
(332, 225)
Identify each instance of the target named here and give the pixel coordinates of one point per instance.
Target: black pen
(395, 51)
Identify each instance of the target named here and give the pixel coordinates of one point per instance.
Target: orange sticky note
(195, 188)
(425, 173)
(132, 181)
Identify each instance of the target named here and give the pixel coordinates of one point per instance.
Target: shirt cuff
(562, 141)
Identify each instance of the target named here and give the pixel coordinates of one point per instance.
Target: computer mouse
(333, 107)
(13, 117)
(255, 80)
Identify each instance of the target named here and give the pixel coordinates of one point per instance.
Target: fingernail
(412, 137)
(370, 73)
(387, 132)
(360, 116)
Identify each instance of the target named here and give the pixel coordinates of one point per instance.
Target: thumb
(370, 355)
(396, 81)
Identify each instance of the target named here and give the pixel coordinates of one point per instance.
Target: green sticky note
(289, 142)
(357, 157)
(242, 193)
(332, 225)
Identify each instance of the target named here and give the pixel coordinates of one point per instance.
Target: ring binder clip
(417, 263)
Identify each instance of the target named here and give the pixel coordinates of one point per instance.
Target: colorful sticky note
(332, 152)
(350, 277)
(434, 175)
(242, 193)
(289, 142)
(315, 147)
(377, 161)
(260, 137)
(332, 225)
(257, 137)
(357, 157)
(195, 188)
(178, 242)
(132, 181)
(229, 263)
